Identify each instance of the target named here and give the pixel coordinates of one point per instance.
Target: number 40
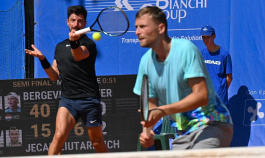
(44, 110)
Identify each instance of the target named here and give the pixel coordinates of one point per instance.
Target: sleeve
(55, 52)
(193, 63)
(139, 78)
(89, 44)
(228, 66)
(144, 68)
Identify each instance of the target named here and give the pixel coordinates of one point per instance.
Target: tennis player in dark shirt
(74, 64)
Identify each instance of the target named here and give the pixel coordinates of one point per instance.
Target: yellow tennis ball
(96, 36)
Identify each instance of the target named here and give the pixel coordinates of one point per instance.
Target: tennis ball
(96, 36)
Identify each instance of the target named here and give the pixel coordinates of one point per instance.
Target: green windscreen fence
(12, 54)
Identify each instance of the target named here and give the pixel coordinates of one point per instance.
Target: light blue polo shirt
(168, 82)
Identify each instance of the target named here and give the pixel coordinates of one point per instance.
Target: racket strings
(113, 22)
(145, 98)
(146, 102)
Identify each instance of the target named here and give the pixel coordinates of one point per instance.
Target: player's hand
(35, 52)
(154, 116)
(73, 36)
(145, 140)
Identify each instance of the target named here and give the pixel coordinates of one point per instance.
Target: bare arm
(148, 140)
(52, 71)
(153, 103)
(198, 98)
(80, 52)
(229, 78)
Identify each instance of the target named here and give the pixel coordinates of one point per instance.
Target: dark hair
(76, 9)
(12, 128)
(156, 13)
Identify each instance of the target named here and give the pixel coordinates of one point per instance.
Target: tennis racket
(144, 103)
(111, 21)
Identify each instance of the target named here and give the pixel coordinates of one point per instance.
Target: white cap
(12, 94)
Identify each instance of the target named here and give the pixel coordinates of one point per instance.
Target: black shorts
(89, 109)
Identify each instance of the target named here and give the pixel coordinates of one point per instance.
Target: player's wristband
(74, 44)
(45, 63)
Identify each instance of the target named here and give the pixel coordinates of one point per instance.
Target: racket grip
(146, 130)
(82, 31)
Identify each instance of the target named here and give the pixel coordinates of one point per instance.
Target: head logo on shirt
(212, 62)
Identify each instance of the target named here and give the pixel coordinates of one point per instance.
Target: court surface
(239, 152)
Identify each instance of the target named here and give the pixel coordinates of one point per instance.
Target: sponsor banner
(121, 55)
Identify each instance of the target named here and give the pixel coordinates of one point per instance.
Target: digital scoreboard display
(30, 128)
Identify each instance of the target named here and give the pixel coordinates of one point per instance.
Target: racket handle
(146, 130)
(82, 31)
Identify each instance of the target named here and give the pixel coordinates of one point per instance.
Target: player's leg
(97, 139)
(215, 135)
(182, 142)
(92, 117)
(65, 122)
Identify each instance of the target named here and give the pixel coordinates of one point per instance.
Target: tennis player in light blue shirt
(179, 87)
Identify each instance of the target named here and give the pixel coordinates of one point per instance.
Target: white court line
(239, 152)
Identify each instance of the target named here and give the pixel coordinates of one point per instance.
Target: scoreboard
(35, 123)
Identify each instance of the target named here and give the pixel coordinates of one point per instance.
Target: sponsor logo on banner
(254, 112)
(174, 9)
(8, 117)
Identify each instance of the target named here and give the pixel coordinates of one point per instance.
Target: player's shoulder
(63, 43)
(147, 54)
(84, 38)
(89, 43)
(183, 43)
